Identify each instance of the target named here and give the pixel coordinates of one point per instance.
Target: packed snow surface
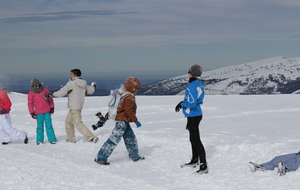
(234, 130)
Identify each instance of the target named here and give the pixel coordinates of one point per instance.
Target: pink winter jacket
(37, 104)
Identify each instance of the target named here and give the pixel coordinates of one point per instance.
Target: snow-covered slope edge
(278, 75)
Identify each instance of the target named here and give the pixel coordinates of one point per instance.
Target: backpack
(113, 104)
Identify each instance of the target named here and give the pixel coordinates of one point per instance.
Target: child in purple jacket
(41, 110)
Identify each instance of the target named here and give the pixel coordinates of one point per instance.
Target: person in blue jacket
(284, 163)
(191, 108)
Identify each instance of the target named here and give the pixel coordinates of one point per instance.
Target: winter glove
(3, 111)
(48, 95)
(138, 124)
(51, 110)
(33, 115)
(94, 84)
(178, 107)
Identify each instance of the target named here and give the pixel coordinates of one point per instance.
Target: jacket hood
(81, 83)
(36, 82)
(132, 84)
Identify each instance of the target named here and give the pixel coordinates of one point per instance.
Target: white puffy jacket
(76, 89)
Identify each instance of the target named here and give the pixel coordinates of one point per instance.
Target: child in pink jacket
(41, 110)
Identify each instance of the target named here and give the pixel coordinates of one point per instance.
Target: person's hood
(36, 82)
(80, 82)
(132, 84)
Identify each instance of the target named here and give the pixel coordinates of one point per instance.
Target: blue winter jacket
(193, 98)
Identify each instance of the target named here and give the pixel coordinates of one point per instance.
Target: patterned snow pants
(122, 129)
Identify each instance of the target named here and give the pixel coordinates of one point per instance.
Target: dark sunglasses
(37, 86)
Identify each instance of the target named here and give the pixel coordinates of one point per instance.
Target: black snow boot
(193, 163)
(26, 140)
(203, 168)
(101, 162)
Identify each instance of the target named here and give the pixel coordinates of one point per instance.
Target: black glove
(48, 95)
(51, 110)
(3, 111)
(178, 107)
(33, 115)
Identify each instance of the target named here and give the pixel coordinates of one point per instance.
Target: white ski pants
(7, 131)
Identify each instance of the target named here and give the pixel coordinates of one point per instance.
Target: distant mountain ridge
(278, 75)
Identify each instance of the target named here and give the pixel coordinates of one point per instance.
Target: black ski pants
(198, 151)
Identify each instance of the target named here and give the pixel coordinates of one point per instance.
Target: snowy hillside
(279, 75)
(234, 131)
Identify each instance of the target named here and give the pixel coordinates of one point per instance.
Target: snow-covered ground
(235, 130)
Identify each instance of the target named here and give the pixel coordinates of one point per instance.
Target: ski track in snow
(234, 131)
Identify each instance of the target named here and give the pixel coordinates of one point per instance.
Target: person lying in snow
(284, 163)
(6, 129)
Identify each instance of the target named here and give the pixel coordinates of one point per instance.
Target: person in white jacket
(76, 89)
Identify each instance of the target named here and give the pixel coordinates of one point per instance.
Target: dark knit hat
(195, 70)
(35, 82)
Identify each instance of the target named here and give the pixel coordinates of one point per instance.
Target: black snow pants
(198, 151)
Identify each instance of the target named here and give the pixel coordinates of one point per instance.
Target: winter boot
(5, 143)
(70, 141)
(281, 169)
(26, 140)
(203, 168)
(140, 158)
(256, 167)
(94, 139)
(193, 163)
(101, 162)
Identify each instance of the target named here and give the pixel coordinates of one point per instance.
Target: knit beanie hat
(35, 82)
(195, 70)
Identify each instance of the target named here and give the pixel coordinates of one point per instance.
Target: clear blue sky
(144, 35)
